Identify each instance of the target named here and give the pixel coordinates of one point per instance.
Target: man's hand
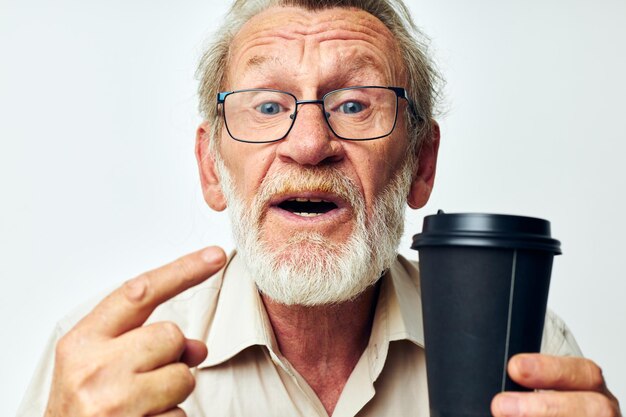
(572, 387)
(109, 365)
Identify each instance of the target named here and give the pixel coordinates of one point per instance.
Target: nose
(310, 141)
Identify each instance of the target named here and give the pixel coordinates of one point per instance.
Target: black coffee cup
(484, 283)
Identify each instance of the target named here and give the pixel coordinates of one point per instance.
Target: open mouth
(307, 207)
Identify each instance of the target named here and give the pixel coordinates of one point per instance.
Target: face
(279, 185)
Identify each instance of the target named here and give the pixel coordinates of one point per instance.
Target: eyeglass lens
(355, 113)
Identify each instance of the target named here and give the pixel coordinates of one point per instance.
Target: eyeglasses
(261, 115)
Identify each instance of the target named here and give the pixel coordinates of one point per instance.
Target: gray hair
(423, 79)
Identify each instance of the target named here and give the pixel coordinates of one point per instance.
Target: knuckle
(183, 268)
(539, 404)
(563, 377)
(552, 410)
(70, 349)
(582, 374)
(177, 383)
(185, 378)
(65, 348)
(602, 406)
(546, 407)
(136, 289)
(172, 333)
(596, 377)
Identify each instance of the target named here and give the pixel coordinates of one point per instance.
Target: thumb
(195, 352)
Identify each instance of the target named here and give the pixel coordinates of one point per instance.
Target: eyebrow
(356, 69)
(358, 64)
(258, 61)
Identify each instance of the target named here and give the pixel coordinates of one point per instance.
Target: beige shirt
(246, 375)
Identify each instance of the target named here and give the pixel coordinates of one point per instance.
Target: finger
(538, 371)
(195, 352)
(553, 404)
(153, 346)
(174, 412)
(130, 305)
(163, 389)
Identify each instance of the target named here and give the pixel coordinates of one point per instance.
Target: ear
(210, 181)
(424, 175)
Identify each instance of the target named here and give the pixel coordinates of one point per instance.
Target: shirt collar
(240, 319)
(404, 302)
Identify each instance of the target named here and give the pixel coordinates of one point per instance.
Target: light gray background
(98, 180)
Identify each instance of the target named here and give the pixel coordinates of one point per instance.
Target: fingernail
(213, 255)
(507, 405)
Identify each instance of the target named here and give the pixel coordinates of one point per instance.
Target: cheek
(383, 162)
(383, 169)
(247, 164)
(368, 170)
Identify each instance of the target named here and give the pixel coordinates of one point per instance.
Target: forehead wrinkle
(379, 53)
(353, 67)
(318, 26)
(256, 63)
(310, 33)
(327, 23)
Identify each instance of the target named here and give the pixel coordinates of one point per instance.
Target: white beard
(310, 269)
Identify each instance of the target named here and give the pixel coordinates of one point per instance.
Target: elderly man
(322, 131)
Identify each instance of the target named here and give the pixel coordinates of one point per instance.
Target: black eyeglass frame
(399, 91)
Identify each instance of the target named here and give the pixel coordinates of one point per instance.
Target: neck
(324, 343)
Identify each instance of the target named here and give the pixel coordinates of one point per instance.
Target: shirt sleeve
(557, 339)
(36, 397)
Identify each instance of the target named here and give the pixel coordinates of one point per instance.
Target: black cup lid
(486, 230)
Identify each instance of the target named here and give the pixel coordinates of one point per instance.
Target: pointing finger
(130, 305)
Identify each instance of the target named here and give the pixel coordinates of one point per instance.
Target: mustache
(325, 179)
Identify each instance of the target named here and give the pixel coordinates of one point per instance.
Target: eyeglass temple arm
(222, 96)
(401, 93)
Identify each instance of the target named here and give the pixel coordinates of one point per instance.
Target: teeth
(305, 200)
(308, 214)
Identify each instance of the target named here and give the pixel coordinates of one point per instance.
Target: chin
(310, 270)
(306, 256)
(304, 247)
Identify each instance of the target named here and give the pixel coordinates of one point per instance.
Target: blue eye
(351, 107)
(270, 108)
